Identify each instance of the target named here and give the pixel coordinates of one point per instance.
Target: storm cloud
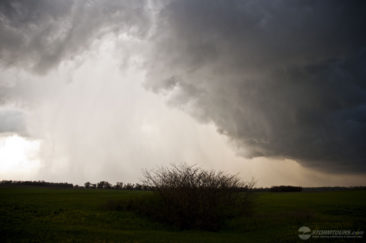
(38, 35)
(282, 79)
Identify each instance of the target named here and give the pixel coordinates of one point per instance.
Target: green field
(43, 215)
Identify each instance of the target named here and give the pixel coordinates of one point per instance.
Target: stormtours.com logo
(306, 233)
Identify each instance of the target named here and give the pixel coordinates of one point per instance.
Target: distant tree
(104, 185)
(138, 187)
(128, 186)
(87, 184)
(119, 185)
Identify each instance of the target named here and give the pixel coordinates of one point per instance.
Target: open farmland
(41, 215)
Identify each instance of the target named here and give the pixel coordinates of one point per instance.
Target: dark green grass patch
(44, 215)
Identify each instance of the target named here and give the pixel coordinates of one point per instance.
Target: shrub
(190, 197)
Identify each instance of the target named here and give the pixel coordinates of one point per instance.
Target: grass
(43, 215)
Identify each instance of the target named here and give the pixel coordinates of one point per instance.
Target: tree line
(36, 183)
(144, 187)
(117, 186)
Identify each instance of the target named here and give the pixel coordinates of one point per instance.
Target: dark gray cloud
(281, 78)
(38, 35)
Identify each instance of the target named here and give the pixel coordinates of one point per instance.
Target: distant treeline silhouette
(305, 189)
(334, 188)
(118, 186)
(142, 187)
(129, 186)
(286, 189)
(36, 183)
(278, 189)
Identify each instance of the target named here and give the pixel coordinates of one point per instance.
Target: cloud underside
(280, 78)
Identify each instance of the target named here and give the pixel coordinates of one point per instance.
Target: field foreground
(42, 215)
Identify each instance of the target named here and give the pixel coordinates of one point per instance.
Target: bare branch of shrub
(191, 197)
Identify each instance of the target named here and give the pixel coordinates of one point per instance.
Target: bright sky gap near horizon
(101, 90)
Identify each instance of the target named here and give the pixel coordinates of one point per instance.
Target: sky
(273, 91)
